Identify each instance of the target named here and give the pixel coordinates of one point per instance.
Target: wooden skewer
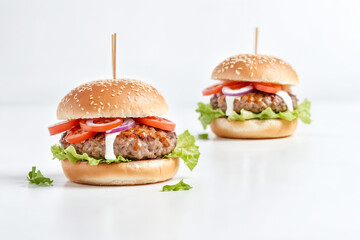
(112, 53)
(256, 40)
(113, 45)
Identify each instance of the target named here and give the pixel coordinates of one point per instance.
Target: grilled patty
(138, 142)
(255, 102)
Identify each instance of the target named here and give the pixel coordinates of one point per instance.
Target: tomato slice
(217, 87)
(76, 135)
(62, 126)
(267, 87)
(238, 85)
(100, 124)
(157, 122)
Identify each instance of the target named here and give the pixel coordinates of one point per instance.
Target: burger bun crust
(255, 68)
(253, 129)
(112, 98)
(125, 173)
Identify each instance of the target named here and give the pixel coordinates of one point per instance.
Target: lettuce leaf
(303, 111)
(37, 178)
(268, 113)
(186, 150)
(176, 187)
(203, 136)
(208, 114)
(70, 153)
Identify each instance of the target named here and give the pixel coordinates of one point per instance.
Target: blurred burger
(253, 99)
(113, 135)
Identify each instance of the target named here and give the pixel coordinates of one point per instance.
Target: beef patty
(255, 102)
(138, 142)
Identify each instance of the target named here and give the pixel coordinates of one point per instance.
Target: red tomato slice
(217, 87)
(100, 124)
(76, 135)
(238, 85)
(267, 87)
(63, 126)
(157, 122)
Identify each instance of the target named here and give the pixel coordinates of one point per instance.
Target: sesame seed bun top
(255, 68)
(112, 98)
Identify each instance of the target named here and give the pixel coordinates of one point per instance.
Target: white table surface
(303, 187)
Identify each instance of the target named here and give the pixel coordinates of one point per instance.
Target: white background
(48, 47)
(302, 187)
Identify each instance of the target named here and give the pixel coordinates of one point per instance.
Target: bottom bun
(273, 128)
(125, 173)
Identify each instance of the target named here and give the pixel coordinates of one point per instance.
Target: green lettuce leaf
(179, 186)
(203, 136)
(208, 114)
(70, 153)
(268, 113)
(303, 111)
(37, 178)
(186, 150)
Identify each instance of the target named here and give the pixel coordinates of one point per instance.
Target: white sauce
(229, 104)
(109, 145)
(287, 99)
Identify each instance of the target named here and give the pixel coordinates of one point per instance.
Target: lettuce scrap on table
(208, 114)
(36, 177)
(176, 187)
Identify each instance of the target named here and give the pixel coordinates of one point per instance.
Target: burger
(112, 135)
(253, 99)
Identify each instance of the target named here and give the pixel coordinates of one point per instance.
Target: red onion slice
(237, 92)
(128, 123)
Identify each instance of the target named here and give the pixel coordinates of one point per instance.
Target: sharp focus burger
(113, 135)
(253, 99)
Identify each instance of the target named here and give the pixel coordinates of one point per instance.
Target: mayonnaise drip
(109, 145)
(229, 104)
(287, 99)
